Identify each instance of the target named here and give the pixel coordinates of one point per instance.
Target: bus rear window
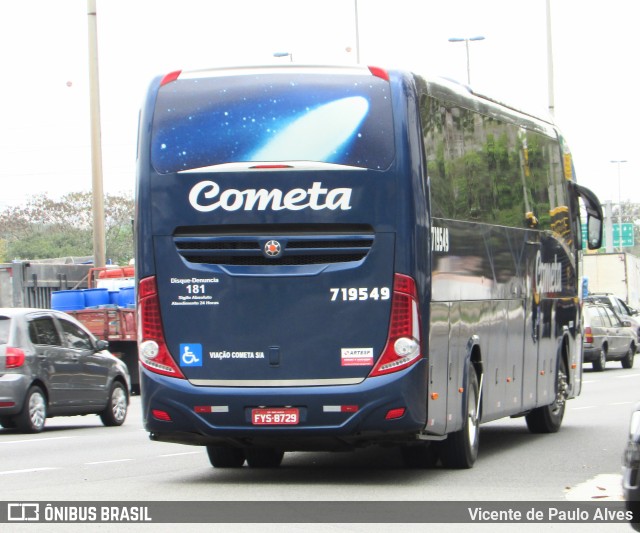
(342, 119)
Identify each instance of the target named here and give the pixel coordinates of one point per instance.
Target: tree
(45, 228)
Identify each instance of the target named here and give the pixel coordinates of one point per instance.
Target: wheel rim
(37, 410)
(472, 415)
(562, 392)
(603, 358)
(119, 404)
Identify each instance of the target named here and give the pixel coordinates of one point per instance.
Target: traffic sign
(627, 236)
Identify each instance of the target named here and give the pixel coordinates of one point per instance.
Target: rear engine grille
(294, 249)
(216, 245)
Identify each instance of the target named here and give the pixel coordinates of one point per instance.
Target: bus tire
(225, 456)
(264, 457)
(633, 506)
(460, 450)
(7, 422)
(423, 455)
(548, 418)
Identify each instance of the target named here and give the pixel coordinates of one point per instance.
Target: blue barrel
(71, 300)
(96, 297)
(126, 296)
(113, 297)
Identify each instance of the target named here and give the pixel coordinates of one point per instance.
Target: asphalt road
(77, 459)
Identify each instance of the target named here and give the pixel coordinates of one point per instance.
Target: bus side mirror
(594, 215)
(594, 233)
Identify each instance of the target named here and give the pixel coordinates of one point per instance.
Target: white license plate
(289, 416)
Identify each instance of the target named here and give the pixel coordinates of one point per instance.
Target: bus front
(277, 305)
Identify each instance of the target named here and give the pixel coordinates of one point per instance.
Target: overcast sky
(44, 129)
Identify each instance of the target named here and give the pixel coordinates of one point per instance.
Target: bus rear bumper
(386, 409)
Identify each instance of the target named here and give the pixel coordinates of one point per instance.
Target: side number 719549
(353, 294)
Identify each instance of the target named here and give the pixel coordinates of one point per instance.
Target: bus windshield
(212, 120)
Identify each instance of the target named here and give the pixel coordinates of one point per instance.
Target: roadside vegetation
(45, 228)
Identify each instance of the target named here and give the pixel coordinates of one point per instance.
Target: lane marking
(176, 454)
(29, 470)
(32, 440)
(603, 405)
(628, 376)
(107, 462)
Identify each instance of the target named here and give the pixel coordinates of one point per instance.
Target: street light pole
(550, 83)
(466, 42)
(99, 246)
(617, 162)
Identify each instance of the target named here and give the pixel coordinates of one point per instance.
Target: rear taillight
(172, 76)
(588, 335)
(379, 72)
(153, 351)
(14, 357)
(403, 347)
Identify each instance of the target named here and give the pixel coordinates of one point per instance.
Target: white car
(618, 306)
(606, 337)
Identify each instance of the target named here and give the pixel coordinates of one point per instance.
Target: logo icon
(272, 249)
(191, 355)
(23, 512)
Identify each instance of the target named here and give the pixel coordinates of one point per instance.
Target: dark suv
(50, 365)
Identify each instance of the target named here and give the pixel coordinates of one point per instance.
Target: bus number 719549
(353, 294)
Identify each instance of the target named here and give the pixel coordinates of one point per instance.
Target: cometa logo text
(206, 196)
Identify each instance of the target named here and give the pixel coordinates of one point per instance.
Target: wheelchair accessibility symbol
(191, 355)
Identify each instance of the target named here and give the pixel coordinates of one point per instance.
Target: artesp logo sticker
(191, 355)
(272, 249)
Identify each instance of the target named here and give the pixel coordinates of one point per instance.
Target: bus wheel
(460, 450)
(225, 456)
(424, 455)
(548, 418)
(7, 422)
(264, 457)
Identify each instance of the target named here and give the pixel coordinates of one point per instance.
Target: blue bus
(335, 257)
